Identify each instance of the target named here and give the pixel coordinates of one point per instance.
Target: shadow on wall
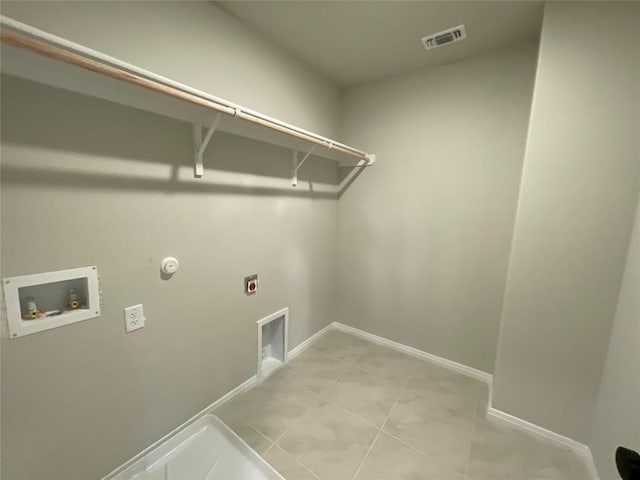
(84, 142)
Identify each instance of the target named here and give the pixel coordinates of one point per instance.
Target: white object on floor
(205, 450)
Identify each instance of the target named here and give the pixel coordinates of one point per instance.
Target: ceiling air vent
(445, 37)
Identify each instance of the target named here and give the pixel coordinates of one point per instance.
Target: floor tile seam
(346, 364)
(350, 412)
(247, 424)
(473, 431)
(431, 456)
(428, 455)
(262, 434)
(352, 363)
(325, 390)
(306, 408)
(377, 376)
(381, 430)
(366, 455)
(293, 424)
(402, 385)
(259, 431)
(273, 445)
(345, 409)
(296, 420)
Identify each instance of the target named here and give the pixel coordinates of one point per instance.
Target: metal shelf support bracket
(200, 144)
(296, 166)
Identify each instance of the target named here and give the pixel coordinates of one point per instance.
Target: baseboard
(493, 414)
(503, 417)
(414, 352)
(243, 387)
(294, 352)
(580, 449)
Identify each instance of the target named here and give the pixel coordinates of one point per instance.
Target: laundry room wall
(575, 216)
(424, 236)
(88, 182)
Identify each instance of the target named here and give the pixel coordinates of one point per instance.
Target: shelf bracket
(296, 166)
(200, 144)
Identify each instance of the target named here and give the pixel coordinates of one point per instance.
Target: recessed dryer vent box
(49, 300)
(273, 338)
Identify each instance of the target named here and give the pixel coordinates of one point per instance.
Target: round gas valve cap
(170, 265)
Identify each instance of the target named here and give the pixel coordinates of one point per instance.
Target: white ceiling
(352, 42)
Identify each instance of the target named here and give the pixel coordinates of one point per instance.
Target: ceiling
(353, 42)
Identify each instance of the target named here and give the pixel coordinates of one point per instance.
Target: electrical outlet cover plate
(251, 284)
(133, 318)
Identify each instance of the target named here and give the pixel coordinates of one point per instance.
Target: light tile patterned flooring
(348, 409)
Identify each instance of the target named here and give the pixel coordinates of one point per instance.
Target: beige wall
(196, 43)
(617, 414)
(577, 200)
(424, 236)
(86, 182)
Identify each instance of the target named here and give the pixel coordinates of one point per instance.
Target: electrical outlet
(251, 284)
(133, 318)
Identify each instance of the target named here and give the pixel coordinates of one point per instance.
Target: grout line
(267, 450)
(293, 424)
(473, 430)
(366, 455)
(446, 466)
(310, 404)
(380, 430)
(331, 402)
(280, 436)
(293, 459)
(297, 420)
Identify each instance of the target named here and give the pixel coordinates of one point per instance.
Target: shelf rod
(99, 63)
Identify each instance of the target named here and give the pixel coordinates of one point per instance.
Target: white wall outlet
(133, 318)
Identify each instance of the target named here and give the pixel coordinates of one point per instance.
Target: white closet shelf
(39, 56)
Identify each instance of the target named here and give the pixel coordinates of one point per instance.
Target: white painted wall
(617, 415)
(424, 236)
(577, 201)
(196, 43)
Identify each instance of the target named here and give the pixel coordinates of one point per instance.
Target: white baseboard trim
(243, 387)
(493, 414)
(301, 347)
(414, 352)
(580, 449)
(502, 417)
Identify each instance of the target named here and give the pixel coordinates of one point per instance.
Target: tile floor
(349, 409)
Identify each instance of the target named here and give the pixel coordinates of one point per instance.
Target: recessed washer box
(48, 300)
